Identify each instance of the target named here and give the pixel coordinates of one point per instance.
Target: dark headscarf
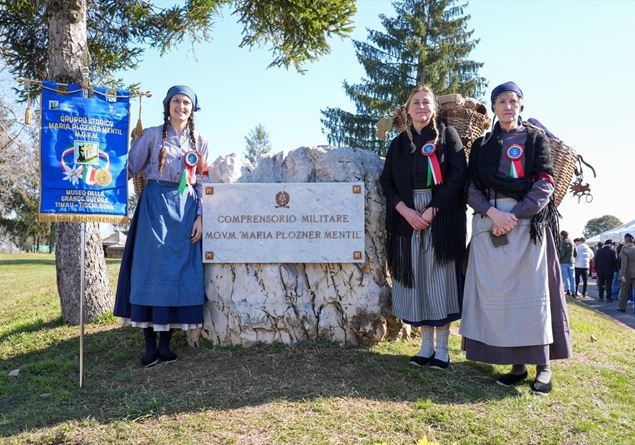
(185, 90)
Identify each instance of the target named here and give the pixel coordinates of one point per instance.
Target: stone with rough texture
(289, 303)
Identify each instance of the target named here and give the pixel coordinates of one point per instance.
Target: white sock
(427, 344)
(443, 337)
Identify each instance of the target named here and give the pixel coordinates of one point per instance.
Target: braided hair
(408, 120)
(164, 133)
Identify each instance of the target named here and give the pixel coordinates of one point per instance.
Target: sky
(574, 61)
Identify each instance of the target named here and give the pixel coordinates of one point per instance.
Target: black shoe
(417, 360)
(148, 361)
(435, 363)
(170, 357)
(511, 379)
(541, 388)
(621, 310)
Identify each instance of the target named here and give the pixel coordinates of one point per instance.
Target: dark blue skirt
(163, 315)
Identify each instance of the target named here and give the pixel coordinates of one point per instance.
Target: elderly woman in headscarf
(514, 309)
(161, 281)
(423, 180)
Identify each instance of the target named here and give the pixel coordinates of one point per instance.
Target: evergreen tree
(427, 42)
(257, 143)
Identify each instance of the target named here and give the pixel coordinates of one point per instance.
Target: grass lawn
(313, 393)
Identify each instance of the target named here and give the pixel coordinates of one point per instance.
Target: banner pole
(82, 242)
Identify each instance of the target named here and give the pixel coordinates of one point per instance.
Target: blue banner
(83, 154)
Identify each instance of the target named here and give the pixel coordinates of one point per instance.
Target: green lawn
(313, 393)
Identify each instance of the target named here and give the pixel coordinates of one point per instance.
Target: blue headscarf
(185, 90)
(503, 87)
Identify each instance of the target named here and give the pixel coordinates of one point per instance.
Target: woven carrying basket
(470, 124)
(564, 159)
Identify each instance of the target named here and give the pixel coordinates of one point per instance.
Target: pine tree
(257, 143)
(427, 42)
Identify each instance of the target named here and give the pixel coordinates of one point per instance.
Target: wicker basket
(470, 124)
(564, 159)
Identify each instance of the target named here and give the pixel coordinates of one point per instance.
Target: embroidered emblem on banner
(86, 164)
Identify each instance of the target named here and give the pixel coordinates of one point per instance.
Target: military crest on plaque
(282, 200)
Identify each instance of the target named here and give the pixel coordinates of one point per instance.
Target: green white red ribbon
(429, 150)
(515, 153)
(188, 179)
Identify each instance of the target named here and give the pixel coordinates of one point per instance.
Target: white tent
(617, 234)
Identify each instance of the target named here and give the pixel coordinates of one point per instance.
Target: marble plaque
(283, 223)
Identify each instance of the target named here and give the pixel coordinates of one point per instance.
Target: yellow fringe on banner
(77, 218)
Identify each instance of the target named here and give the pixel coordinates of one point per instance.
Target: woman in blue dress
(161, 281)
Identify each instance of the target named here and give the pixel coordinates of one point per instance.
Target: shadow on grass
(32, 327)
(116, 387)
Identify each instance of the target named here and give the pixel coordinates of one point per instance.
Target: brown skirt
(540, 354)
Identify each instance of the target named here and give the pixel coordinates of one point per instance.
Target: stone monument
(345, 303)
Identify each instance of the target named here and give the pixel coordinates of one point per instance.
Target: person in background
(615, 284)
(424, 181)
(627, 271)
(605, 266)
(566, 255)
(514, 308)
(584, 254)
(161, 280)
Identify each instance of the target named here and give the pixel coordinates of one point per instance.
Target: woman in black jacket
(423, 180)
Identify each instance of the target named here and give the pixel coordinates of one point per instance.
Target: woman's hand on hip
(197, 229)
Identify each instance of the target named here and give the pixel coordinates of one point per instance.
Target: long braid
(190, 124)
(164, 135)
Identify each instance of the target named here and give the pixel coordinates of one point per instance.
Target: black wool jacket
(448, 227)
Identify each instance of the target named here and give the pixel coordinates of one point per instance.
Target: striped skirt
(434, 299)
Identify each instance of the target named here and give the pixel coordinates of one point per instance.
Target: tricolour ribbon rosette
(188, 179)
(429, 150)
(515, 153)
